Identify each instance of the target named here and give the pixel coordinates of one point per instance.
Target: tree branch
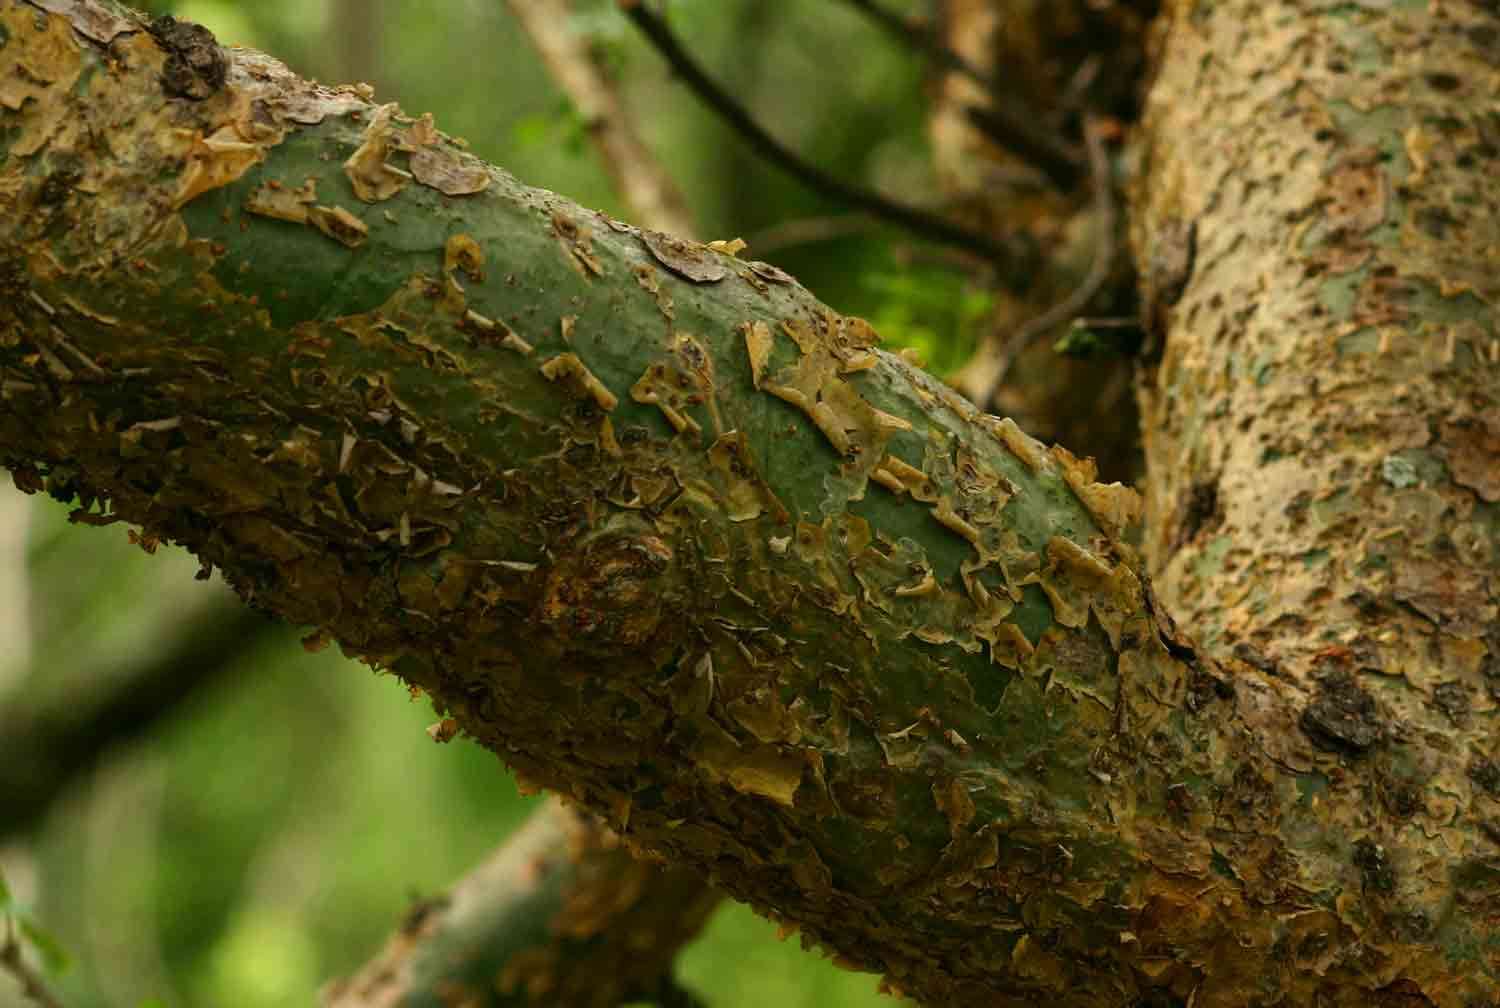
(12, 961)
(675, 538)
(1006, 121)
(638, 176)
(539, 437)
(1009, 257)
(561, 915)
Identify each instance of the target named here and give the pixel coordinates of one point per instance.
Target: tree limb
(1008, 257)
(1006, 121)
(561, 915)
(643, 184)
(678, 540)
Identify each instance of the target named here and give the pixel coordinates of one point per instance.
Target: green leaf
(4, 893)
(54, 956)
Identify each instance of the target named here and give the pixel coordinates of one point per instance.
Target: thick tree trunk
(1319, 233)
(674, 538)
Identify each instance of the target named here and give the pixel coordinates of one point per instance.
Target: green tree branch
(562, 914)
(668, 535)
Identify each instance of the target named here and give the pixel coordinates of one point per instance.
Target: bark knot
(607, 593)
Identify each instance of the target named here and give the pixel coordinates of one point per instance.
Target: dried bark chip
(450, 172)
(1343, 718)
(90, 20)
(771, 274)
(1473, 449)
(687, 259)
(616, 225)
(312, 106)
(339, 224)
(1455, 598)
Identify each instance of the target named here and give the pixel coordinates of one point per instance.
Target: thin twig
(1009, 127)
(647, 189)
(1075, 93)
(920, 37)
(808, 231)
(1007, 122)
(33, 987)
(919, 222)
(1099, 269)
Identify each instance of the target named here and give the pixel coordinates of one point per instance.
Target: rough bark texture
(536, 924)
(562, 915)
(674, 538)
(1319, 230)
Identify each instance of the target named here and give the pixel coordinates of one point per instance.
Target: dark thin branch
(920, 37)
(808, 231)
(1006, 121)
(33, 988)
(1099, 269)
(1008, 257)
(1011, 129)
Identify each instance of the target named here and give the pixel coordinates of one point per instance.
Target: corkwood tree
(683, 544)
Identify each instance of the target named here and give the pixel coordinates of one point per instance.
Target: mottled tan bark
(1319, 228)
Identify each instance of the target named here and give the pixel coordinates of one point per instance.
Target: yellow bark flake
(374, 179)
(339, 224)
(569, 369)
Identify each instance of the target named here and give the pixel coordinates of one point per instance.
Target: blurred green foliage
(272, 832)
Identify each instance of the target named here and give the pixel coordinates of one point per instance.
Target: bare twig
(1099, 269)
(919, 36)
(644, 185)
(13, 962)
(808, 231)
(15, 591)
(1007, 257)
(1075, 93)
(1006, 121)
